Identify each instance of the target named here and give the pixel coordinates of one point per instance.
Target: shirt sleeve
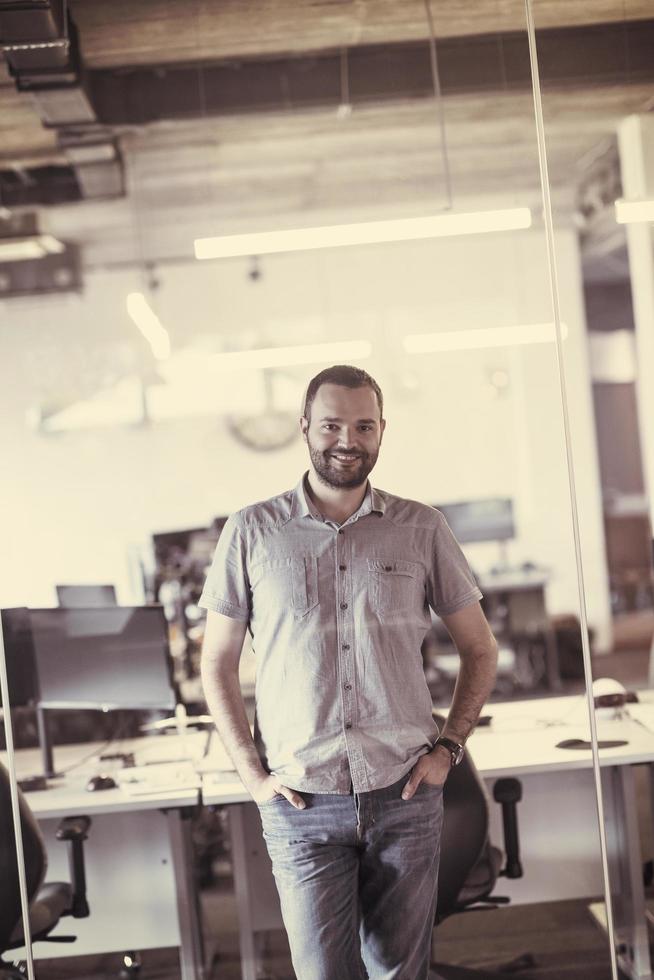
(227, 586)
(451, 584)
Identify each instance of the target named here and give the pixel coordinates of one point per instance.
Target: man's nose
(346, 439)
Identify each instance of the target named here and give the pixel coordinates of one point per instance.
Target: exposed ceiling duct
(40, 45)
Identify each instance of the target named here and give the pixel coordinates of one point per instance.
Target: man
(334, 580)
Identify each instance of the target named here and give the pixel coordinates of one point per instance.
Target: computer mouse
(602, 743)
(100, 782)
(573, 743)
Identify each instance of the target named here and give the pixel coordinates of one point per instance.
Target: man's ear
(382, 427)
(304, 426)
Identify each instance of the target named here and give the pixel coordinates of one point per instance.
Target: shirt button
(344, 605)
(348, 724)
(346, 646)
(341, 531)
(348, 687)
(342, 568)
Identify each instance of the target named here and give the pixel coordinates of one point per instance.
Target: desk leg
(626, 871)
(242, 885)
(188, 910)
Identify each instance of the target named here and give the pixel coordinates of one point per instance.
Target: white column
(636, 146)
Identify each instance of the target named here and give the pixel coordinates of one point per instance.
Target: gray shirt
(337, 616)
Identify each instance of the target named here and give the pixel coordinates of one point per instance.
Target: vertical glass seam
(11, 765)
(583, 616)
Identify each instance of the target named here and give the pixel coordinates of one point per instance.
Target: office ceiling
(247, 114)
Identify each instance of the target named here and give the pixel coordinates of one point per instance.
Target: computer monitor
(19, 658)
(474, 521)
(86, 596)
(111, 658)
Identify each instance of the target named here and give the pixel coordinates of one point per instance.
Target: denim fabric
(356, 876)
(337, 616)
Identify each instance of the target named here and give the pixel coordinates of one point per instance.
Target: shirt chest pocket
(395, 589)
(288, 583)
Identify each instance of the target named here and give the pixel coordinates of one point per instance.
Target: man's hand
(267, 788)
(432, 768)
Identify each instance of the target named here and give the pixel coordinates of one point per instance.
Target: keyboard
(158, 778)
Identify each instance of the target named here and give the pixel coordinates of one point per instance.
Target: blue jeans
(356, 877)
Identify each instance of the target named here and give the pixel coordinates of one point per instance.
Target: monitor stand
(45, 743)
(504, 555)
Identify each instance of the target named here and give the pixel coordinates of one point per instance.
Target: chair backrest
(464, 839)
(35, 858)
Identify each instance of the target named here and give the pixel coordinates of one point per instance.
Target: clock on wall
(266, 431)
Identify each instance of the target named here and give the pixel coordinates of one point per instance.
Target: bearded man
(335, 581)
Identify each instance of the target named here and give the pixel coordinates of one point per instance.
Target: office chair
(470, 865)
(48, 901)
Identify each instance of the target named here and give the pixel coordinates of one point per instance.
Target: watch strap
(456, 749)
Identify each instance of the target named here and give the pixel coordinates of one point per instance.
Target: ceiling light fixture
(364, 233)
(33, 247)
(149, 324)
(627, 212)
(454, 340)
(276, 357)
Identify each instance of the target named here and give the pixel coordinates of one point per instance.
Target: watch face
(456, 751)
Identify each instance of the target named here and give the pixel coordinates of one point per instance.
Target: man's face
(344, 435)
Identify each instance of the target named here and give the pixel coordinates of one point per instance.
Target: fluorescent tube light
(365, 233)
(627, 212)
(148, 323)
(269, 357)
(35, 247)
(451, 340)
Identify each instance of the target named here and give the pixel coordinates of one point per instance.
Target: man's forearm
(222, 691)
(473, 686)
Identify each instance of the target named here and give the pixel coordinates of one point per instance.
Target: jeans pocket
(427, 788)
(277, 798)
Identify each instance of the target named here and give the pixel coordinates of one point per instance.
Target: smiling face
(343, 435)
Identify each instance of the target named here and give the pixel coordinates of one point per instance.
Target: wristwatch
(456, 750)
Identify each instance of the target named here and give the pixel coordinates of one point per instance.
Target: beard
(333, 476)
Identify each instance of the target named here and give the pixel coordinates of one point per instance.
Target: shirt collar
(305, 507)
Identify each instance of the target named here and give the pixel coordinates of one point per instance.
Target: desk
(138, 863)
(561, 846)
(557, 818)
(559, 834)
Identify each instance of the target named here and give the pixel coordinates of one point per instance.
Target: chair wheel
(131, 966)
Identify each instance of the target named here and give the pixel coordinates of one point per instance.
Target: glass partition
(20, 854)
(596, 93)
(153, 387)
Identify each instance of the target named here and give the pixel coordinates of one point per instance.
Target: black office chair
(470, 865)
(48, 901)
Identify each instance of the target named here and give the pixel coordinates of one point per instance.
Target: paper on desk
(643, 713)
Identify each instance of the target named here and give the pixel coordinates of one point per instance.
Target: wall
(75, 503)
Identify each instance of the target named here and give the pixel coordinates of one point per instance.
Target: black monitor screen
(480, 520)
(86, 596)
(19, 657)
(110, 658)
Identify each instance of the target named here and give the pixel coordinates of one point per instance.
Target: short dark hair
(346, 376)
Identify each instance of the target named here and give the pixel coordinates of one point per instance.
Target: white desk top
(68, 795)
(521, 739)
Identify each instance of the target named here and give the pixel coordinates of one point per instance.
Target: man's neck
(338, 504)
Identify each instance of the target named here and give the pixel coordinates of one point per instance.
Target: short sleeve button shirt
(337, 616)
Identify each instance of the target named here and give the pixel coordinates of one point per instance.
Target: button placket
(345, 631)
